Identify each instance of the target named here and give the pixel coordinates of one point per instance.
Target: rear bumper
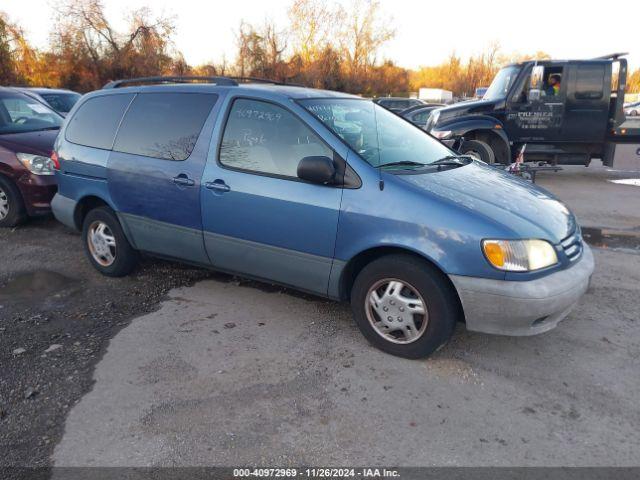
(523, 308)
(64, 210)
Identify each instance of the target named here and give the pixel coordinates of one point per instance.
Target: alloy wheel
(4, 204)
(102, 243)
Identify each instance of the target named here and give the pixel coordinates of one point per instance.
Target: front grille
(572, 245)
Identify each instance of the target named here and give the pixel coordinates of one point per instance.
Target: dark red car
(28, 130)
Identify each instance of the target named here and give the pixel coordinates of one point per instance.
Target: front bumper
(37, 192)
(523, 308)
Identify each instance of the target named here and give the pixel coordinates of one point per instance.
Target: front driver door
(259, 219)
(535, 112)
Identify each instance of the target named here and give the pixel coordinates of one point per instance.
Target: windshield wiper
(451, 160)
(403, 163)
(43, 129)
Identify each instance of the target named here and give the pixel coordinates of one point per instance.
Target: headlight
(36, 164)
(519, 255)
(441, 134)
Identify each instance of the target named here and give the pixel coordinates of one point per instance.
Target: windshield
(20, 113)
(380, 137)
(61, 102)
(501, 83)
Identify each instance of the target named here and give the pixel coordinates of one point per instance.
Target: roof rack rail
(226, 81)
(612, 56)
(264, 80)
(217, 80)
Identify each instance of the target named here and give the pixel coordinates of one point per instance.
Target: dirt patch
(57, 316)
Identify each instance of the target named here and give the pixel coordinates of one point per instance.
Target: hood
(524, 209)
(464, 108)
(37, 143)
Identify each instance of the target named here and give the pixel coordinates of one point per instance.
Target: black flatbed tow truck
(580, 119)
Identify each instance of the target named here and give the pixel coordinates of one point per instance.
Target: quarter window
(262, 137)
(96, 121)
(164, 125)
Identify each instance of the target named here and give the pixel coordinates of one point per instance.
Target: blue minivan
(321, 191)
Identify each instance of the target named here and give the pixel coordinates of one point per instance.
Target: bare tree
(86, 38)
(361, 36)
(312, 26)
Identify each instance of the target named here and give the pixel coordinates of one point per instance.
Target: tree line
(324, 45)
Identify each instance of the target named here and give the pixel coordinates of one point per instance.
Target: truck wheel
(12, 211)
(404, 306)
(106, 245)
(478, 150)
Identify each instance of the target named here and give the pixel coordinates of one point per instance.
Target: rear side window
(96, 121)
(590, 82)
(264, 138)
(164, 125)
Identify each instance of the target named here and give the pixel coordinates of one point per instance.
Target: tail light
(55, 160)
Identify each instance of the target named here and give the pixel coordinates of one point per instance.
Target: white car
(632, 109)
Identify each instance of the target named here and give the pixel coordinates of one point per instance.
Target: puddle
(635, 182)
(38, 284)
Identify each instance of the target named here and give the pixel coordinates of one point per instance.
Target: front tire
(106, 245)
(12, 210)
(404, 306)
(478, 150)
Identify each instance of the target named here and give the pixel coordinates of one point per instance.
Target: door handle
(218, 186)
(183, 181)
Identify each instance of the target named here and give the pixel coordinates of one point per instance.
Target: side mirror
(316, 169)
(535, 83)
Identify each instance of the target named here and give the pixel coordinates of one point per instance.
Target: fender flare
(463, 126)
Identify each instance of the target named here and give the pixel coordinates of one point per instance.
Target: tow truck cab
(566, 112)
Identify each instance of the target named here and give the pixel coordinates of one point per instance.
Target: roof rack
(225, 81)
(160, 79)
(613, 56)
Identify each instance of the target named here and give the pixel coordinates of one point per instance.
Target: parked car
(397, 104)
(420, 114)
(480, 91)
(324, 192)
(60, 100)
(28, 130)
(632, 110)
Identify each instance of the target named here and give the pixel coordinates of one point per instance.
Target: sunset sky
(425, 32)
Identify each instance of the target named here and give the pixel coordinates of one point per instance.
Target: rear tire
(106, 245)
(479, 150)
(12, 210)
(395, 287)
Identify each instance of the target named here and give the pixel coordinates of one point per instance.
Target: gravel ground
(57, 314)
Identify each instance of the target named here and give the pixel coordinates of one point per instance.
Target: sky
(426, 32)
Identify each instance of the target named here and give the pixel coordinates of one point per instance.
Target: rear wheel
(404, 306)
(478, 150)
(12, 211)
(106, 245)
